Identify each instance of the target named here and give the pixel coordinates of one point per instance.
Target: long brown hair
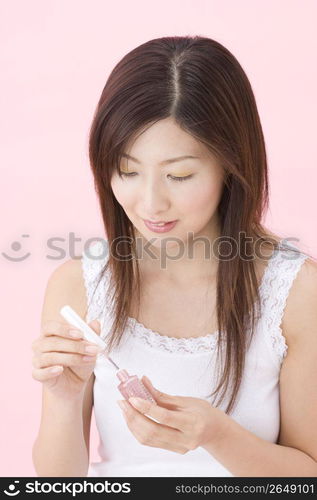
(199, 83)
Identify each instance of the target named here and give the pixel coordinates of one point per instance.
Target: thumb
(95, 325)
(162, 398)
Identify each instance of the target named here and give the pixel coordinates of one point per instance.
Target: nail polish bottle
(129, 385)
(132, 386)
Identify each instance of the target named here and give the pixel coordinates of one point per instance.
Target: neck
(194, 260)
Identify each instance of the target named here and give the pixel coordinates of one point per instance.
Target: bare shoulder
(65, 285)
(300, 315)
(298, 376)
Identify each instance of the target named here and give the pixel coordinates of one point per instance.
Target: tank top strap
(278, 278)
(93, 261)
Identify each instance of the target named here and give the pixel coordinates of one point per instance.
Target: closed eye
(181, 178)
(178, 179)
(124, 174)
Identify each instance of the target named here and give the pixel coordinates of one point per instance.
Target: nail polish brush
(130, 385)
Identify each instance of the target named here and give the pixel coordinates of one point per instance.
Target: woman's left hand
(182, 423)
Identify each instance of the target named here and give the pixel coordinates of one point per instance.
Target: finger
(95, 324)
(77, 334)
(149, 385)
(42, 374)
(49, 359)
(171, 418)
(60, 329)
(151, 433)
(56, 344)
(166, 400)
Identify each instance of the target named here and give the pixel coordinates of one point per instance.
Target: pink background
(55, 58)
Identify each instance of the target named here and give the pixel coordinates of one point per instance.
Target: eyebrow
(164, 162)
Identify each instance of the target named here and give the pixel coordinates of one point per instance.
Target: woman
(198, 304)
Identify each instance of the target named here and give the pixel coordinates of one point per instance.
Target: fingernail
(93, 349)
(138, 402)
(75, 333)
(149, 382)
(56, 369)
(89, 359)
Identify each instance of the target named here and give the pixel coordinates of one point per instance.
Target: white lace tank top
(184, 367)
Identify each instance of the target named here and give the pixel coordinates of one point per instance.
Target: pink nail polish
(132, 386)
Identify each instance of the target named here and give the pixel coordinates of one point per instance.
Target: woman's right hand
(55, 347)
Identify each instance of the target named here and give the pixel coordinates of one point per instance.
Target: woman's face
(153, 193)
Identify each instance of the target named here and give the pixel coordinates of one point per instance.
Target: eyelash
(178, 179)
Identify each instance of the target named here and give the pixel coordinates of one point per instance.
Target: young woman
(217, 312)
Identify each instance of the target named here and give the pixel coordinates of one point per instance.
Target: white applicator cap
(74, 319)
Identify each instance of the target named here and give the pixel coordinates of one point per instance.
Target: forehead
(163, 141)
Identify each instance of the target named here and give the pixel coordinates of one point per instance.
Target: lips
(160, 222)
(160, 228)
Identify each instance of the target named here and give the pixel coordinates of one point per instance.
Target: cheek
(122, 193)
(203, 197)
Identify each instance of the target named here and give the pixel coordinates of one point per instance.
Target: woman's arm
(62, 445)
(183, 423)
(60, 449)
(245, 454)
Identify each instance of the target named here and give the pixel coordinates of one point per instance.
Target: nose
(155, 200)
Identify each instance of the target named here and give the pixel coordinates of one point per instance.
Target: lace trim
(273, 289)
(92, 263)
(155, 340)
